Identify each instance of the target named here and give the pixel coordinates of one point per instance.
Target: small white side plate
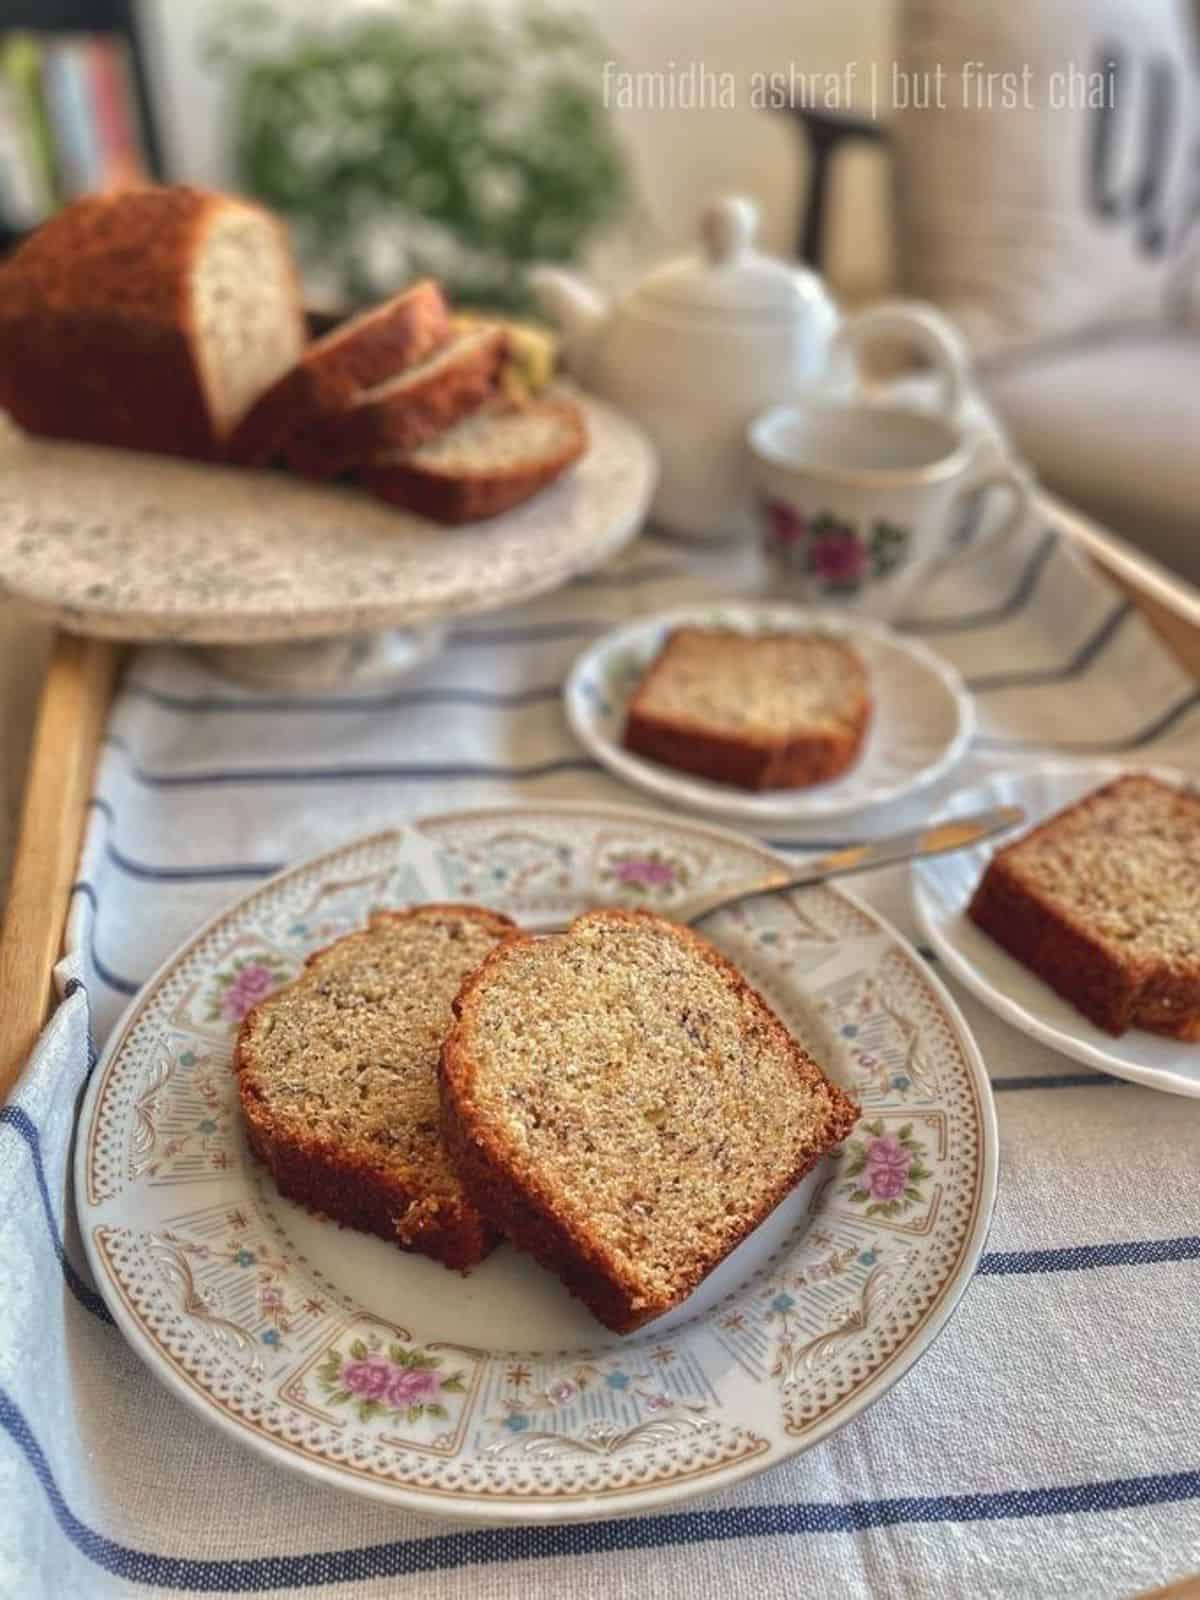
(921, 726)
(942, 888)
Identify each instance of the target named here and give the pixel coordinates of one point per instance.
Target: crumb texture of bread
(487, 464)
(406, 411)
(1102, 902)
(626, 1107)
(758, 711)
(337, 1075)
(148, 318)
(369, 349)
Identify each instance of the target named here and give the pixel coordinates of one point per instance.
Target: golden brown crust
(327, 1179)
(357, 355)
(100, 292)
(746, 762)
(1113, 988)
(438, 492)
(515, 1198)
(404, 419)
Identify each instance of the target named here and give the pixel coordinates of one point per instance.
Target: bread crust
(745, 762)
(371, 348)
(439, 493)
(348, 438)
(316, 1173)
(517, 1200)
(1114, 989)
(102, 291)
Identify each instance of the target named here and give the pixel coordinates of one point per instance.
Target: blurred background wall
(680, 160)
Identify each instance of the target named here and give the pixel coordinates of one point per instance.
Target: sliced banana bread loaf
(1103, 903)
(151, 318)
(369, 349)
(337, 1075)
(759, 711)
(627, 1108)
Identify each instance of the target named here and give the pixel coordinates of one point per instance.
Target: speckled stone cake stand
(285, 583)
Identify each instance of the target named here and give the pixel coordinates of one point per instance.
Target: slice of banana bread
(759, 711)
(486, 464)
(337, 1075)
(1103, 902)
(622, 1103)
(367, 350)
(405, 411)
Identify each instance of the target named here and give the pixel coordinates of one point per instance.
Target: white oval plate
(922, 723)
(942, 888)
(496, 1396)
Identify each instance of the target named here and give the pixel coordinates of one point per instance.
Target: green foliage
(434, 139)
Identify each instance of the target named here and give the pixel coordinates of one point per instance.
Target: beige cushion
(1112, 424)
(999, 218)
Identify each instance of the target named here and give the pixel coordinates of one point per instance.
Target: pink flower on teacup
(838, 556)
(785, 525)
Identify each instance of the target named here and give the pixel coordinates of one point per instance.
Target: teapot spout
(575, 307)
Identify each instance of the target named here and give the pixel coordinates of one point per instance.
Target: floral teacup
(856, 501)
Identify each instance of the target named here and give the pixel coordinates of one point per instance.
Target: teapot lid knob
(727, 227)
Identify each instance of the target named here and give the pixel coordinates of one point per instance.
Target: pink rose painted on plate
(398, 1381)
(413, 1383)
(252, 984)
(647, 874)
(884, 1172)
(239, 990)
(887, 1168)
(369, 1379)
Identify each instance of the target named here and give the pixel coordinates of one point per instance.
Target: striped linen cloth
(1048, 1444)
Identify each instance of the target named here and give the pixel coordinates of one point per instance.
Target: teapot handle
(919, 324)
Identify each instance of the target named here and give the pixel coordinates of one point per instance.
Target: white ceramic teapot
(707, 341)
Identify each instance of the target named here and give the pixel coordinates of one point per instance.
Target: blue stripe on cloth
(1090, 651)
(1086, 1257)
(110, 979)
(491, 1546)
(1061, 1080)
(1163, 723)
(532, 633)
(153, 874)
(23, 1125)
(1017, 601)
(392, 772)
(163, 874)
(546, 694)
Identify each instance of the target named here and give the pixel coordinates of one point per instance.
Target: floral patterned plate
(922, 724)
(496, 1396)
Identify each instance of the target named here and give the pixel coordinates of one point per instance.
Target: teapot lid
(727, 274)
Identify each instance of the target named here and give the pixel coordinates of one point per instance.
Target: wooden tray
(74, 709)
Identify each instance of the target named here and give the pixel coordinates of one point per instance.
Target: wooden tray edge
(71, 718)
